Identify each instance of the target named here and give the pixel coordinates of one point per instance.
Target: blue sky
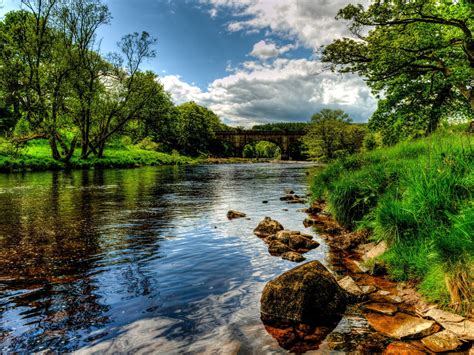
(250, 61)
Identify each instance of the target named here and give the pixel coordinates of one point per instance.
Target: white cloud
(310, 22)
(267, 49)
(284, 90)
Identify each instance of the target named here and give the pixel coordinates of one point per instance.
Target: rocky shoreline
(300, 314)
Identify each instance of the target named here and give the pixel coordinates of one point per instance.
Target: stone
(277, 248)
(289, 197)
(359, 267)
(283, 236)
(289, 191)
(376, 251)
(267, 227)
(464, 330)
(442, 342)
(383, 308)
(385, 297)
(350, 286)
(299, 242)
(443, 316)
(399, 348)
(306, 294)
(293, 256)
(235, 214)
(402, 325)
(368, 289)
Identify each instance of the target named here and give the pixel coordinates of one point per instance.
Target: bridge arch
(239, 139)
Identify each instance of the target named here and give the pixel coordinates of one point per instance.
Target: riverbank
(37, 157)
(417, 197)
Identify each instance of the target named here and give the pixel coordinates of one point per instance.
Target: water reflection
(88, 257)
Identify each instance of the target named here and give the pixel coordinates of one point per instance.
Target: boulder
(383, 308)
(442, 342)
(283, 236)
(402, 325)
(306, 294)
(235, 214)
(293, 256)
(277, 248)
(267, 227)
(443, 316)
(350, 286)
(297, 241)
(464, 330)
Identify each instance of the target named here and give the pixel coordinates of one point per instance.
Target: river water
(142, 259)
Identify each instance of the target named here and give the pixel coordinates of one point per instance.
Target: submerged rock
(293, 256)
(442, 342)
(402, 325)
(267, 227)
(306, 294)
(235, 214)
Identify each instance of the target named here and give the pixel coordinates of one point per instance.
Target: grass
(36, 156)
(417, 196)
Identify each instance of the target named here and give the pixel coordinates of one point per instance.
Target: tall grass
(418, 196)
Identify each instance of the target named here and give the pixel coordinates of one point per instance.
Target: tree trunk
(54, 148)
(436, 109)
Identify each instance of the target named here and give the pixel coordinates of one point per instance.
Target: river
(142, 259)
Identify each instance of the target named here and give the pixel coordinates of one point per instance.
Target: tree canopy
(417, 56)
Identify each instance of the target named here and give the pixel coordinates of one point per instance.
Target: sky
(250, 61)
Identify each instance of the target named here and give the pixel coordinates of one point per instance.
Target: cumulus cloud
(283, 90)
(267, 49)
(310, 22)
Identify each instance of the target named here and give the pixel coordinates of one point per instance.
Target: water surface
(142, 259)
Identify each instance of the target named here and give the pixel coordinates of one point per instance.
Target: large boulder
(267, 227)
(306, 294)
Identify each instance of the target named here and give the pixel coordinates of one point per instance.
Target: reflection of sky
(164, 251)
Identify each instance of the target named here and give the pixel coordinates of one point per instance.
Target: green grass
(37, 157)
(418, 196)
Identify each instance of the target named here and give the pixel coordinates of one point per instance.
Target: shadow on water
(88, 256)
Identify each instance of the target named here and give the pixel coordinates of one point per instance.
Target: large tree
(417, 56)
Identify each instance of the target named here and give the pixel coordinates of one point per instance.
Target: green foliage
(418, 197)
(418, 55)
(262, 149)
(330, 135)
(282, 126)
(196, 128)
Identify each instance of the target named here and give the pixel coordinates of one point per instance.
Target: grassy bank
(417, 196)
(37, 157)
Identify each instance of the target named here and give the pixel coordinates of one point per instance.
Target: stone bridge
(239, 139)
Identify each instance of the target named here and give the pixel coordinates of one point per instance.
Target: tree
(331, 134)
(417, 56)
(196, 128)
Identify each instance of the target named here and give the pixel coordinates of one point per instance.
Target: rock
(402, 325)
(359, 267)
(293, 256)
(399, 348)
(289, 191)
(442, 342)
(235, 214)
(443, 316)
(350, 286)
(464, 330)
(267, 227)
(368, 289)
(299, 242)
(264, 201)
(313, 210)
(288, 197)
(376, 251)
(285, 209)
(283, 236)
(306, 294)
(277, 248)
(384, 308)
(385, 297)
